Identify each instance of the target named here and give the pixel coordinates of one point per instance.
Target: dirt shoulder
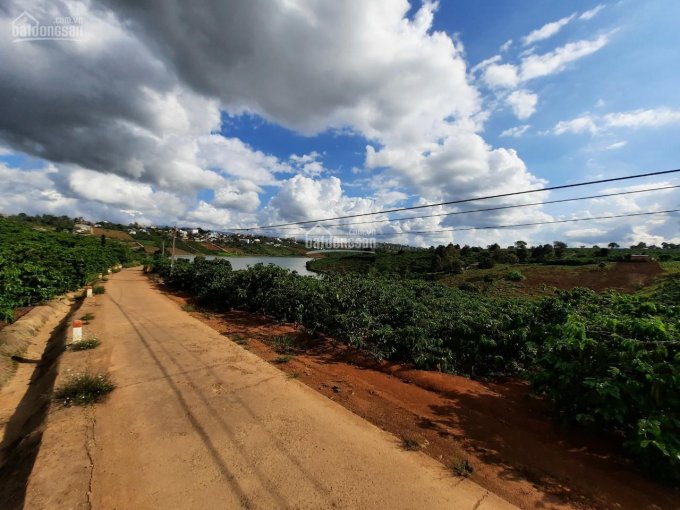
(516, 452)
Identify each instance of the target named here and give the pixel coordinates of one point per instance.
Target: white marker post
(88, 291)
(77, 334)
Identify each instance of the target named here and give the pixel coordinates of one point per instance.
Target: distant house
(640, 258)
(82, 228)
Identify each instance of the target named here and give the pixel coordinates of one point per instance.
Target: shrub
(515, 276)
(98, 289)
(486, 262)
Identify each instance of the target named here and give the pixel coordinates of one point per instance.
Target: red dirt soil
(515, 450)
(622, 276)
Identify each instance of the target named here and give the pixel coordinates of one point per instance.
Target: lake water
(237, 263)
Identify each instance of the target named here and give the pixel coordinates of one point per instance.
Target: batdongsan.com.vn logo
(322, 239)
(26, 27)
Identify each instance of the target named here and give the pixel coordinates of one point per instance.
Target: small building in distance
(82, 228)
(641, 258)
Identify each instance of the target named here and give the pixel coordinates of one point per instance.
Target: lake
(237, 263)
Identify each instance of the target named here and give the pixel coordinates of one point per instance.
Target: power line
(465, 200)
(519, 225)
(498, 208)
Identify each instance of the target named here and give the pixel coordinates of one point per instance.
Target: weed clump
(84, 345)
(463, 468)
(98, 289)
(84, 389)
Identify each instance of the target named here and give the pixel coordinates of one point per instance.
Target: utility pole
(172, 259)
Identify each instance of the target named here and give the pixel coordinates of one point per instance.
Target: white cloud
(241, 195)
(308, 164)
(582, 124)
(523, 103)
(635, 119)
(546, 31)
(506, 46)
(532, 65)
(536, 66)
(642, 118)
(501, 75)
(615, 145)
(302, 198)
(233, 158)
(486, 63)
(515, 132)
(588, 15)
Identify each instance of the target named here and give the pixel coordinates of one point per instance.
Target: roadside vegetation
(609, 362)
(39, 262)
(84, 389)
(85, 345)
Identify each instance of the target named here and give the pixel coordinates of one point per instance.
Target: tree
(613, 246)
(486, 261)
(559, 247)
(522, 252)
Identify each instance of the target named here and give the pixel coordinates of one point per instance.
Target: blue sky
(297, 110)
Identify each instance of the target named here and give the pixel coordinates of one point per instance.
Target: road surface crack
(479, 502)
(89, 447)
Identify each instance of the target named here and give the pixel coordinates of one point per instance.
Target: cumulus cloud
(241, 195)
(308, 164)
(286, 62)
(523, 103)
(129, 120)
(501, 75)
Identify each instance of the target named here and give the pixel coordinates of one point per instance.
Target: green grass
(84, 389)
(87, 317)
(283, 344)
(188, 307)
(411, 443)
(239, 339)
(98, 289)
(462, 468)
(84, 345)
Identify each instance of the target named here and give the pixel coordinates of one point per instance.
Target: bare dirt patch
(622, 276)
(113, 234)
(499, 429)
